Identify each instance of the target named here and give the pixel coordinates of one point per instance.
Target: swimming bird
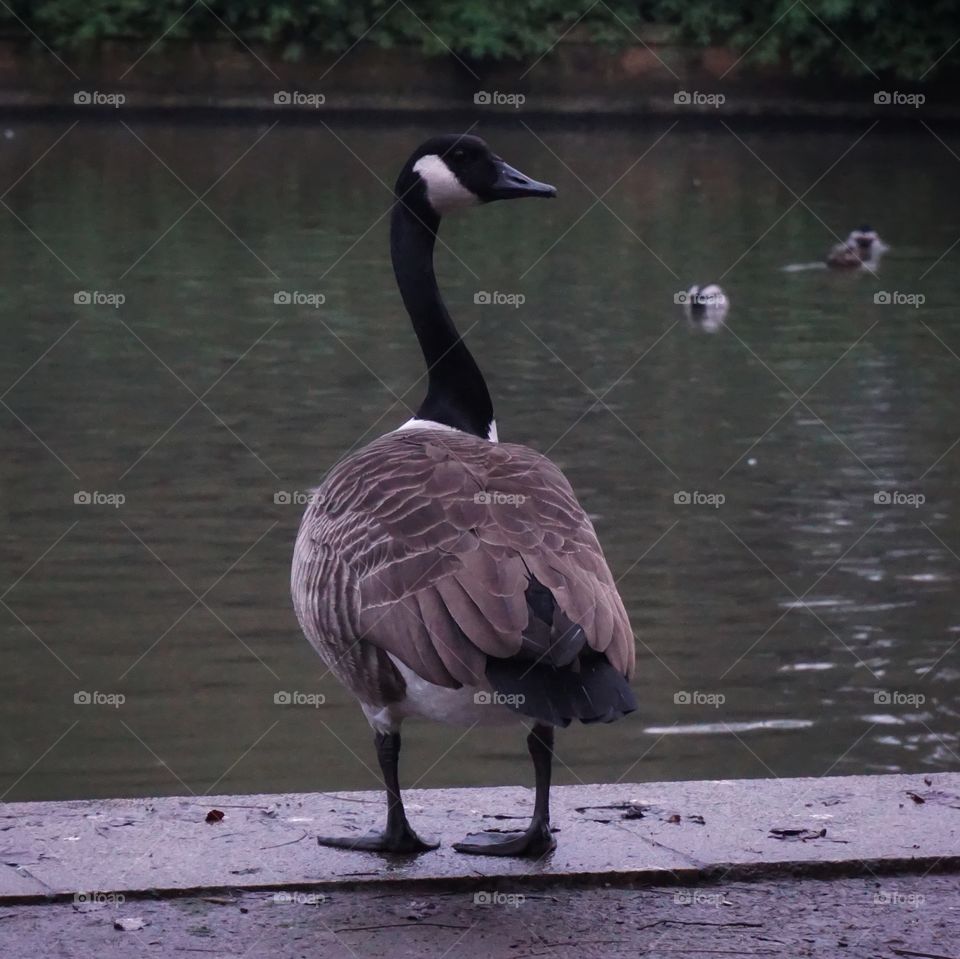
(706, 306)
(442, 574)
(861, 250)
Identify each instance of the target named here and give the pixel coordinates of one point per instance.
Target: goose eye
(458, 154)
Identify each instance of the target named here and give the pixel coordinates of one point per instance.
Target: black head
(863, 238)
(455, 171)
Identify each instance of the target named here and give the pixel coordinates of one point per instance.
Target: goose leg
(537, 840)
(399, 836)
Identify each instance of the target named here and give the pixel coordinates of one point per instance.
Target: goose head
(451, 172)
(866, 242)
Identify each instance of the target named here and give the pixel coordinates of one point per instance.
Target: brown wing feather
(422, 544)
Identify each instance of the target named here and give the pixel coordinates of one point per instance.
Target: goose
(862, 249)
(706, 306)
(443, 575)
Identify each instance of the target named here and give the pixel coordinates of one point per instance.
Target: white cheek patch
(444, 191)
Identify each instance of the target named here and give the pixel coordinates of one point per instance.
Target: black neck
(457, 394)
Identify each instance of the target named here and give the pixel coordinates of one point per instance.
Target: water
(790, 631)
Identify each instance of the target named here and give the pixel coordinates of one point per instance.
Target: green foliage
(855, 37)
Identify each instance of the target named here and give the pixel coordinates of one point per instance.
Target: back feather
(473, 564)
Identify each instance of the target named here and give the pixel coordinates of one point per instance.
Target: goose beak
(512, 184)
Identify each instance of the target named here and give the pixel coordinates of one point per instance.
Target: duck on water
(861, 250)
(441, 574)
(706, 306)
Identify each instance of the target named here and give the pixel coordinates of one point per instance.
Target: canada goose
(862, 249)
(706, 306)
(444, 575)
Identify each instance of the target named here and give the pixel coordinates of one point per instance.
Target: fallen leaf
(919, 800)
(214, 816)
(801, 835)
(129, 924)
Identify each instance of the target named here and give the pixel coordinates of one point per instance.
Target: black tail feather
(589, 689)
(556, 677)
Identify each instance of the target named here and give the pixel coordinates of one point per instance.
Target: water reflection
(801, 597)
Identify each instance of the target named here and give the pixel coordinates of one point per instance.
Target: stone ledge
(656, 832)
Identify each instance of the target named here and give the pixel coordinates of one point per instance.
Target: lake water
(798, 628)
